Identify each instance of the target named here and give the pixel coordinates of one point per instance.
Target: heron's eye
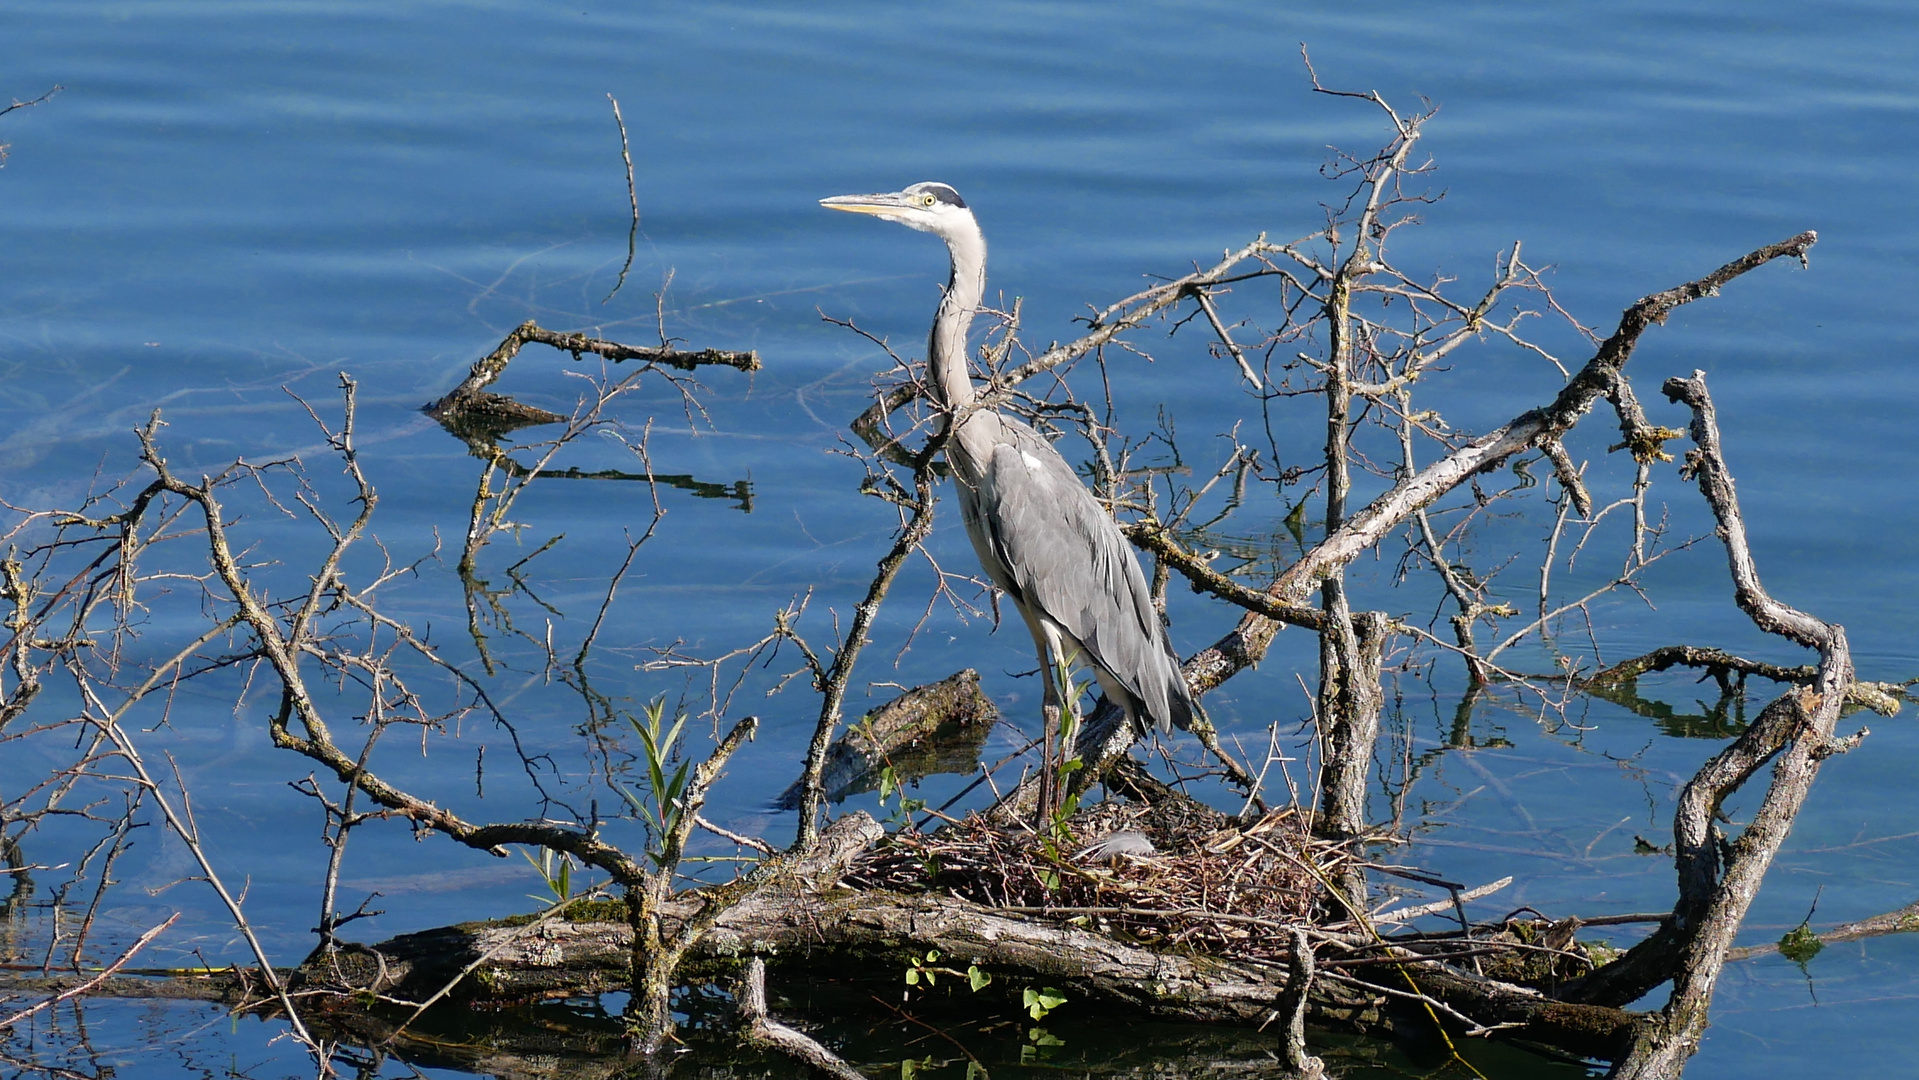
(928, 199)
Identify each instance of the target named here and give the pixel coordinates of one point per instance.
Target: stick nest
(1214, 886)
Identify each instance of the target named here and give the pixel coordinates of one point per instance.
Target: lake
(230, 204)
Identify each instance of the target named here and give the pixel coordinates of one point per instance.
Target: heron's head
(929, 207)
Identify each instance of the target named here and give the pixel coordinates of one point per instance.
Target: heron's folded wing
(1070, 561)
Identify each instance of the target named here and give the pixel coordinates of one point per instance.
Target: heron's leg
(1049, 734)
(1055, 659)
(1044, 640)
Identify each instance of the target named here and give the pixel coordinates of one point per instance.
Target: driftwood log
(818, 927)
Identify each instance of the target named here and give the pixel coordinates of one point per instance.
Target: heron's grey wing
(974, 513)
(1067, 558)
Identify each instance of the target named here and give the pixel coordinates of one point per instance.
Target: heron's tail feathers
(1167, 703)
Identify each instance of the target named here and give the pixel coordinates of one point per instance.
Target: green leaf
(1042, 1001)
(912, 976)
(1800, 944)
(633, 800)
(976, 978)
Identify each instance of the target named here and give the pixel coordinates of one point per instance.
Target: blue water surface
(230, 204)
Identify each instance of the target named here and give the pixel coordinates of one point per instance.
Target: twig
(103, 976)
(760, 846)
(1407, 914)
(1903, 921)
(632, 196)
(24, 105)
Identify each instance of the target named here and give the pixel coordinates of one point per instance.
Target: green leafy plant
(1800, 944)
(1070, 694)
(1042, 1001)
(905, 806)
(659, 747)
(926, 969)
(556, 870)
(921, 969)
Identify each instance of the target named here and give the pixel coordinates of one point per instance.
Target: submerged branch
(470, 407)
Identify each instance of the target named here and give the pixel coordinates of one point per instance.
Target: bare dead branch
(1718, 880)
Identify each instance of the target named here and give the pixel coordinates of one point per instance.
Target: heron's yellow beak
(882, 204)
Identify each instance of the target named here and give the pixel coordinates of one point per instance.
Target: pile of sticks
(1211, 884)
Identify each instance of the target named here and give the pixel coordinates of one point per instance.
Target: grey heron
(1042, 538)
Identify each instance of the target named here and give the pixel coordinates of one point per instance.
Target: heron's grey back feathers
(1050, 545)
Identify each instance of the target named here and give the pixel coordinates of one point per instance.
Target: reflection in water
(1724, 718)
(482, 419)
(739, 491)
(932, 729)
(950, 1039)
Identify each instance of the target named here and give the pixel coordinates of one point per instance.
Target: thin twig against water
(41, 100)
(632, 197)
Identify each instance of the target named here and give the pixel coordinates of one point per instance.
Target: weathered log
(936, 728)
(807, 924)
(851, 932)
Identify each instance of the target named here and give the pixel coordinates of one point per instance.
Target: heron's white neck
(946, 350)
